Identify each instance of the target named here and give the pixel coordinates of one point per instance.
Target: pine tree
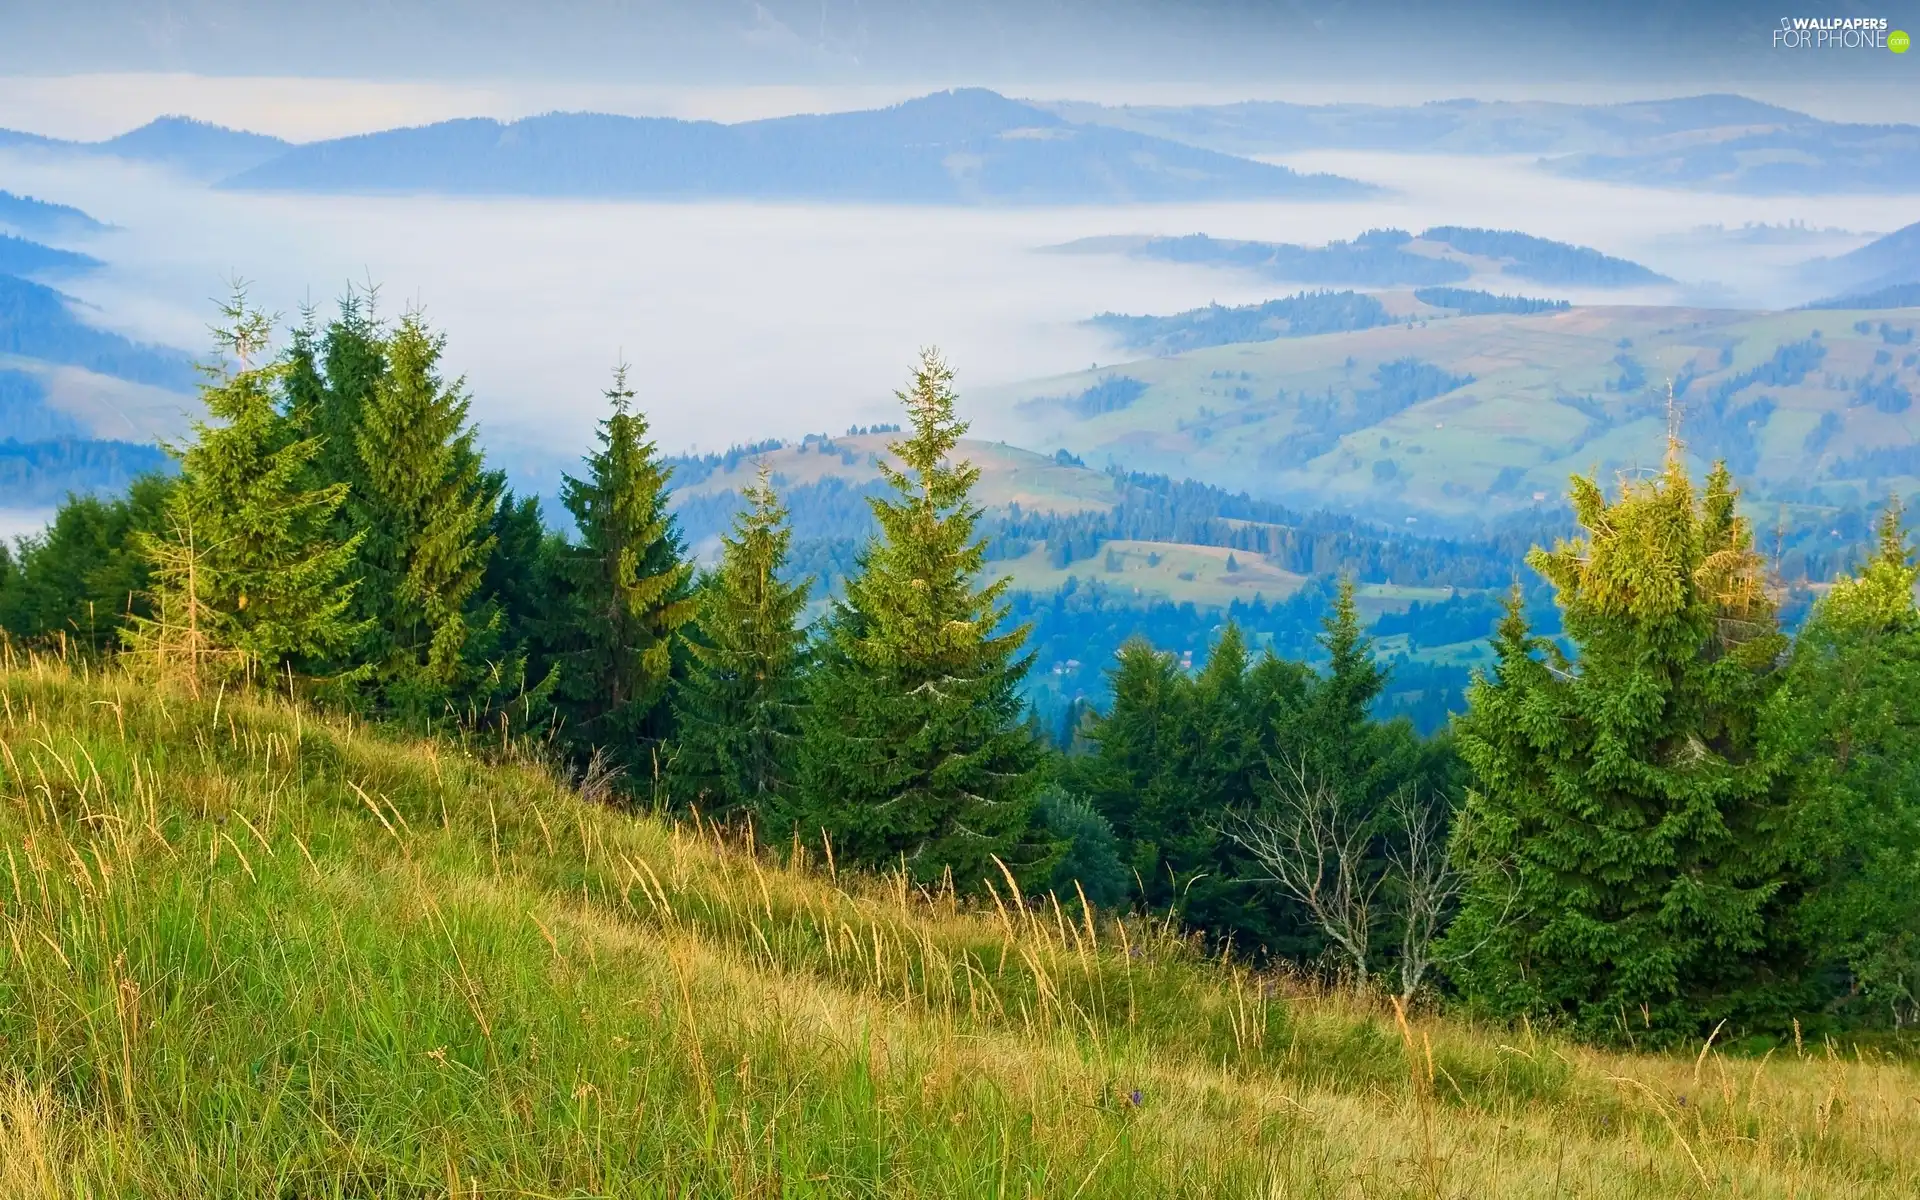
(245, 575)
(1856, 682)
(914, 745)
(1331, 735)
(422, 501)
(628, 597)
(738, 710)
(351, 357)
(1628, 836)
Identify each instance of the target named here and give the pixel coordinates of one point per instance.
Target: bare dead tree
(1430, 883)
(1314, 845)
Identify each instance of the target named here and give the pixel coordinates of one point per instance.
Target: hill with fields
(1459, 417)
(251, 951)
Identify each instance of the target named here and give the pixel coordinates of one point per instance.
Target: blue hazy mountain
(37, 322)
(43, 218)
(969, 146)
(1445, 254)
(1439, 127)
(1542, 260)
(1715, 142)
(18, 256)
(198, 148)
(1881, 267)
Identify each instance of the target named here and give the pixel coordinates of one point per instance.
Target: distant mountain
(197, 148)
(1527, 257)
(18, 256)
(36, 322)
(44, 473)
(31, 216)
(1886, 262)
(1714, 142)
(1801, 158)
(1438, 127)
(25, 415)
(1445, 254)
(969, 146)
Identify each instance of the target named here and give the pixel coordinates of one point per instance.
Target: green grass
(248, 952)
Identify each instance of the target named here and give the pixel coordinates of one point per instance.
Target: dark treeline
(1155, 508)
(44, 472)
(1471, 303)
(1301, 315)
(1657, 810)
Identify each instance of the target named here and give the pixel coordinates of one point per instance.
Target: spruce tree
(914, 747)
(1856, 682)
(627, 598)
(351, 357)
(422, 502)
(738, 710)
(1628, 834)
(245, 575)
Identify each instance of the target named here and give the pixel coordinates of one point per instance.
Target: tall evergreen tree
(1856, 679)
(246, 574)
(329, 402)
(1627, 836)
(914, 745)
(628, 597)
(738, 709)
(419, 496)
(1331, 734)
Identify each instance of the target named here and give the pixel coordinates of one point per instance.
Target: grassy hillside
(1008, 474)
(1334, 419)
(252, 953)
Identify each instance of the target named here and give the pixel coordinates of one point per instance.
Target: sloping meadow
(250, 951)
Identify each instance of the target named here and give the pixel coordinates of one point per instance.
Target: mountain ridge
(967, 146)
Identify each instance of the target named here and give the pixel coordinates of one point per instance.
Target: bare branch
(1315, 847)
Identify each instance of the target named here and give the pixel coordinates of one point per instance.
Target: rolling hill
(252, 951)
(969, 146)
(1888, 262)
(1463, 417)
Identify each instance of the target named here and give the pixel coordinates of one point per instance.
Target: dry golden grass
(250, 952)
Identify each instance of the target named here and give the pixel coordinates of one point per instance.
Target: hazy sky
(95, 106)
(867, 41)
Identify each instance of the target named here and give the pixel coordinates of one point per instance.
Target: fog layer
(745, 321)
